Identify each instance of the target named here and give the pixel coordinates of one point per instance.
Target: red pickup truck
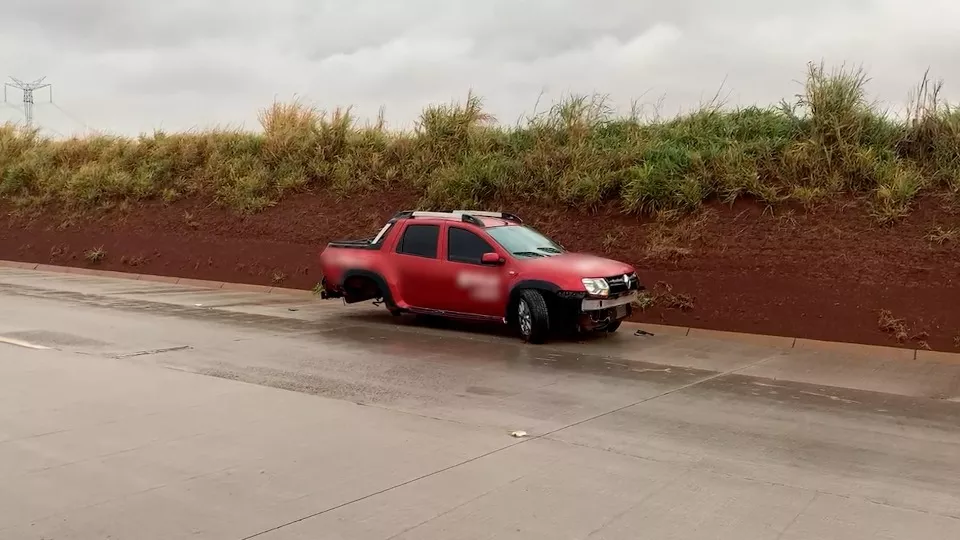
(482, 266)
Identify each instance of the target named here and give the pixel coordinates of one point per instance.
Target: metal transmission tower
(27, 89)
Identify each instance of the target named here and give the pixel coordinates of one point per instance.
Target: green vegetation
(832, 140)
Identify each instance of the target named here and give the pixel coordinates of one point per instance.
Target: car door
(419, 269)
(475, 288)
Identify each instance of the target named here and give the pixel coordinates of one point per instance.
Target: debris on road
(518, 434)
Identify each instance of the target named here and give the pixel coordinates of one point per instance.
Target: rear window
(420, 241)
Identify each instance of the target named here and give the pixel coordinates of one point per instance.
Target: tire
(614, 326)
(533, 317)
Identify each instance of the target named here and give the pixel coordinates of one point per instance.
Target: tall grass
(830, 140)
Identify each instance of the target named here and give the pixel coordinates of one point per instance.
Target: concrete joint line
(656, 396)
(382, 491)
(507, 447)
(151, 352)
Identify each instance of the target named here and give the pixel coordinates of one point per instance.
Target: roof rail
(438, 215)
(466, 218)
(500, 215)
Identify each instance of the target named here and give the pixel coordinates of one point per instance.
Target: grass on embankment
(830, 141)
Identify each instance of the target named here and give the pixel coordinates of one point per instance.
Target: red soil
(824, 274)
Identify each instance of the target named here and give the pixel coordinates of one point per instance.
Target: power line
(72, 117)
(28, 103)
(14, 107)
(9, 118)
(27, 89)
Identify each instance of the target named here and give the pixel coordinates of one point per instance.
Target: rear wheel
(361, 288)
(533, 317)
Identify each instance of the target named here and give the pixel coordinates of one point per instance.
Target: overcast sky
(129, 66)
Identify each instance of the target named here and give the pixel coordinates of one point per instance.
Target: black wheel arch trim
(518, 287)
(371, 275)
(534, 284)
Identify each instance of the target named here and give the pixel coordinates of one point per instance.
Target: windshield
(522, 241)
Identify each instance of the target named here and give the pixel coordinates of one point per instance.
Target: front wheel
(614, 326)
(533, 318)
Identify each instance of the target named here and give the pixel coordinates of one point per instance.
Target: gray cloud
(130, 65)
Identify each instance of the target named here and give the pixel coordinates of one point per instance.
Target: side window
(420, 240)
(464, 246)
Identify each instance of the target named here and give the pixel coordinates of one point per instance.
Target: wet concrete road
(145, 410)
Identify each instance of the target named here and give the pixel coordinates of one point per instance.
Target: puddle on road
(460, 345)
(428, 346)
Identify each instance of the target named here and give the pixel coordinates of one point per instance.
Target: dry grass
(95, 255)
(134, 261)
(662, 295)
(612, 240)
(190, 220)
(893, 326)
(670, 300)
(673, 237)
(900, 330)
(940, 235)
(832, 140)
(645, 300)
(59, 250)
(664, 244)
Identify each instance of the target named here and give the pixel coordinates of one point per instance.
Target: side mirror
(491, 258)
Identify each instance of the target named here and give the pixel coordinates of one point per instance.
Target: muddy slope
(830, 274)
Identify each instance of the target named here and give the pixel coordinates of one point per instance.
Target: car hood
(574, 266)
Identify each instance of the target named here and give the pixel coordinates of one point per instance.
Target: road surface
(143, 410)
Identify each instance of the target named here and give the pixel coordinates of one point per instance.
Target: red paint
(480, 288)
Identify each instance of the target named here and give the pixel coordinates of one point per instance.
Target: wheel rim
(525, 318)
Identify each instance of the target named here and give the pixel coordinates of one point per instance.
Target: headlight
(596, 286)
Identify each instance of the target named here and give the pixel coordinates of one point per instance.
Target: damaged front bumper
(597, 313)
(600, 304)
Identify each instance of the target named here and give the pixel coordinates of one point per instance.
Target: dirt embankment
(828, 274)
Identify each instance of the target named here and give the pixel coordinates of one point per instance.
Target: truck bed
(365, 243)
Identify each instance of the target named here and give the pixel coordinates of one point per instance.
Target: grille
(619, 286)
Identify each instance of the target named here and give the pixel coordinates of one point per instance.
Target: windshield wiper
(550, 249)
(529, 253)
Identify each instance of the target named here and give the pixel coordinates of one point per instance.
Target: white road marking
(20, 343)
